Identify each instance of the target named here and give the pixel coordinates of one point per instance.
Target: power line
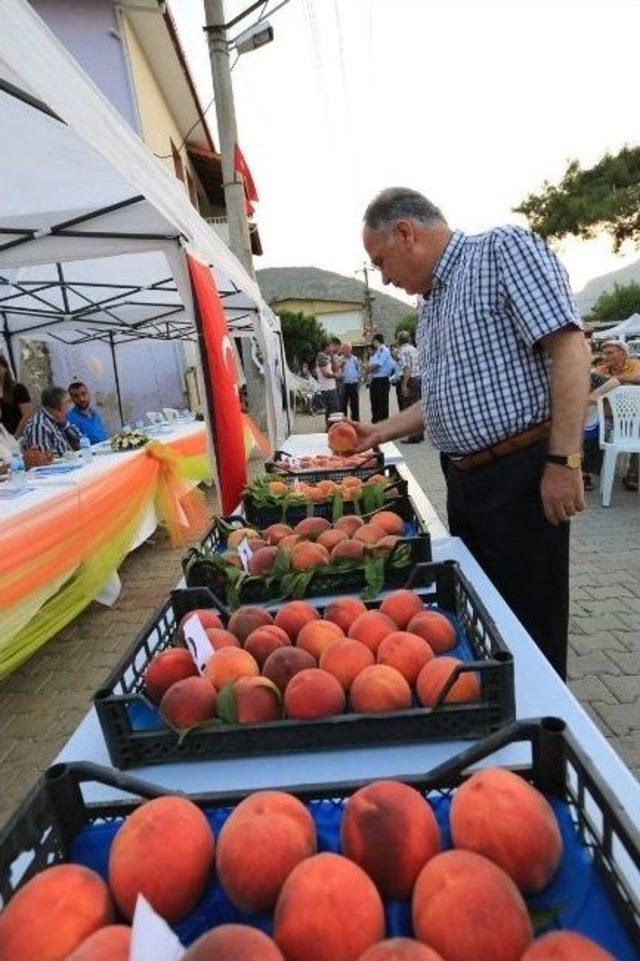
(169, 156)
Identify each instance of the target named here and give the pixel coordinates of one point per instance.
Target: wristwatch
(573, 461)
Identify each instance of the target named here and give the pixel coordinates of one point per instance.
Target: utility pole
(237, 222)
(368, 297)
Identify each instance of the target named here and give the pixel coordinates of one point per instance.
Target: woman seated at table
(9, 445)
(15, 402)
(49, 430)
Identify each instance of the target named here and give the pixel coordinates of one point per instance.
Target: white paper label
(245, 553)
(198, 643)
(151, 936)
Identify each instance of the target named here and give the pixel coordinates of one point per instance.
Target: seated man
(617, 362)
(49, 429)
(84, 417)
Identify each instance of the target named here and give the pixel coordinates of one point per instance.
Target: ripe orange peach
(435, 674)
(468, 909)
(53, 913)
(345, 658)
(172, 876)
(349, 524)
(259, 846)
(256, 544)
(239, 534)
(246, 619)
(407, 652)
(230, 557)
(288, 543)
(385, 545)
(230, 664)
(380, 688)
(389, 521)
(277, 487)
(262, 642)
(399, 949)
(221, 638)
(371, 628)
(262, 560)
(327, 487)
(344, 611)
(401, 606)
(112, 943)
(435, 628)
(189, 702)
(498, 814)
(342, 438)
(231, 942)
(284, 663)
(315, 636)
(306, 555)
(277, 532)
(391, 832)
(348, 551)
(311, 527)
(257, 700)
(165, 669)
(294, 615)
(329, 539)
(565, 946)
(369, 534)
(313, 693)
(208, 618)
(328, 909)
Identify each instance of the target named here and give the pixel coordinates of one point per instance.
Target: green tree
(302, 336)
(410, 322)
(617, 304)
(585, 202)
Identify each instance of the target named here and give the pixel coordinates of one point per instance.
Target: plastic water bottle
(85, 448)
(18, 472)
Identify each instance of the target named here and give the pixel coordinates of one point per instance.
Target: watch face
(574, 460)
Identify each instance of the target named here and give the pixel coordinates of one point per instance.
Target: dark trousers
(351, 398)
(330, 403)
(497, 511)
(414, 388)
(379, 399)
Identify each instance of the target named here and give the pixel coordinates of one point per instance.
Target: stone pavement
(42, 703)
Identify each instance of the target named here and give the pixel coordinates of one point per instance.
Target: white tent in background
(626, 328)
(94, 231)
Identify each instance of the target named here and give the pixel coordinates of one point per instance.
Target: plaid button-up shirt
(48, 435)
(484, 376)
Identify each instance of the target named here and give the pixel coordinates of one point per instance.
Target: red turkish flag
(242, 167)
(223, 401)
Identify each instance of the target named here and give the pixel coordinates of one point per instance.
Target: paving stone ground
(43, 701)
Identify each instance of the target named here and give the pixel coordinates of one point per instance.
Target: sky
(473, 102)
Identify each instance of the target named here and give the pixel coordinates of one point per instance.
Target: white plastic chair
(624, 436)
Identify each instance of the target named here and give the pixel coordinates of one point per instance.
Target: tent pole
(115, 374)
(7, 337)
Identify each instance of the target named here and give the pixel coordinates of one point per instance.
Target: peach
(246, 619)
(349, 524)
(399, 949)
(53, 913)
(391, 832)
(435, 674)
(239, 534)
(327, 487)
(311, 527)
(207, 616)
(221, 638)
(230, 664)
(258, 847)
(112, 943)
(294, 615)
(329, 539)
(401, 606)
(165, 669)
(262, 642)
(189, 702)
(389, 521)
(231, 942)
(172, 876)
(371, 628)
(385, 545)
(277, 632)
(257, 700)
(306, 555)
(498, 814)
(276, 532)
(407, 652)
(287, 543)
(369, 534)
(286, 662)
(257, 544)
(565, 946)
(342, 438)
(380, 688)
(230, 557)
(278, 487)
(436, 629)
(315, 636)
(328, 909)
(345, 658)
(344, 611)
(313, 693)
(262, 560)
(468, 909)
(348, 551)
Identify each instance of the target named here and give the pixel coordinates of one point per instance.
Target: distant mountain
(590, 293)
(312, 283)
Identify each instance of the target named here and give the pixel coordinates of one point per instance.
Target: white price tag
(198, 643)
(151, 936)
(245, 552)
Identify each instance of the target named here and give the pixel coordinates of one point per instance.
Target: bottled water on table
(18, 472)
(85, 448)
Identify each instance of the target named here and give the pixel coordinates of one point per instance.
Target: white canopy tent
(94, 231)
(626, 328)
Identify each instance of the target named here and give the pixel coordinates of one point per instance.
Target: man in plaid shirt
(504, 394)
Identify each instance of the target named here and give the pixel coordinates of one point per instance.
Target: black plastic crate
(279, 464)
(263, 515)
(123, 709)
(55, 823)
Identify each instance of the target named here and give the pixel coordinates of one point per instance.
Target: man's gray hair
(401, 203)
(53, 397)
